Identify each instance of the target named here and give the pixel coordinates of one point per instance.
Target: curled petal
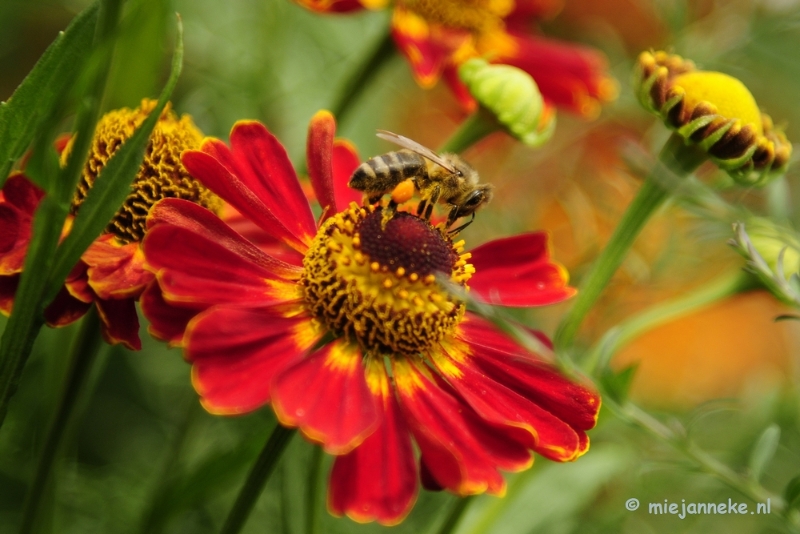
(462, 452)
(120, 324)
(327, 396)
(319, 157)
(236, 352)
(345, 161)
(518, 271)
(377, 481)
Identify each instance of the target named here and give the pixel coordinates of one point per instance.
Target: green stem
(257, 479)
(312, 490)
(85, 348)
(748, 487)
(455, 516)
(476, 127)
(362, 76)
(618, 337)
(154, 517)
(676, 159)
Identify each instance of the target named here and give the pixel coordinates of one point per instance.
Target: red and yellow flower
(356, 341)
(436, 36)
(111, 272)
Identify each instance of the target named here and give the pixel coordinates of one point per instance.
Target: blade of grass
(29, 303)
(34, 101)
(112, 186)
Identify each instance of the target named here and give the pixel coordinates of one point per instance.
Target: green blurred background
(143, 456)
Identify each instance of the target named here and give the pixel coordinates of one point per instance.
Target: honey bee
(443, 178)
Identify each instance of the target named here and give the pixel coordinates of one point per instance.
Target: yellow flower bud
(715, 111)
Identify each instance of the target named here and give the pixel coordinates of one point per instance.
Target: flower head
(406, 361)
(715, 111)
(111, 272)
(437, 36)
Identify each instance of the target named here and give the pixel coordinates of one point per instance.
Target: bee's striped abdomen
(382, 173)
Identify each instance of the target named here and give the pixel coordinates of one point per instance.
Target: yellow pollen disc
(375, 302)
(730, 96)
(161, 175)
(476, 16)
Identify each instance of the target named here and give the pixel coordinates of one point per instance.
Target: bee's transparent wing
(425, 152)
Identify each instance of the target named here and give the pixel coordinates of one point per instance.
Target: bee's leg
(387, 213)
(370, 200)
(421, 207)
(452, 216)
(453, 232)
(434, 198)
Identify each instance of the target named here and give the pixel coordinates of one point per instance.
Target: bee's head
(463, 169)
(474, 199)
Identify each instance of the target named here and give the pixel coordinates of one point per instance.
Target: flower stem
(312, 490)
(257, 479)
(476, 127)
(675, 159)
(362, 76)
(85, 348)
(455, 516)
(748, 487)
(619, 336)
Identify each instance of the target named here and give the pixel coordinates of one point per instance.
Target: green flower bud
(511, 95)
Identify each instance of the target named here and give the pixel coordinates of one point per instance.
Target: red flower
(251, 324)
(111, 272)
(436, 36)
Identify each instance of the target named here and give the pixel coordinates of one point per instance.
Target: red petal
(10, 227)
(462, 452)
(331, 6)
(223, 182)
(341, 412)
(167, 321)
(535, 380)
(269, 244)
(116, 270)
(345, 162)
(319, 157)
(196, 268)
(413, 38)
(533, 426)
(458, 88)
(8, 287)
(236, 352)
(120, 322)
(568, 75)
(201, 221)
(517, 271)
(65, 309)
(377, 481)
(264, 167)
(20, 192)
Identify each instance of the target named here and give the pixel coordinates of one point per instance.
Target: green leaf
(112, 185)
(31, 297)
(791, 493)
(764, 450)
(33, 102)
(617, 385)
